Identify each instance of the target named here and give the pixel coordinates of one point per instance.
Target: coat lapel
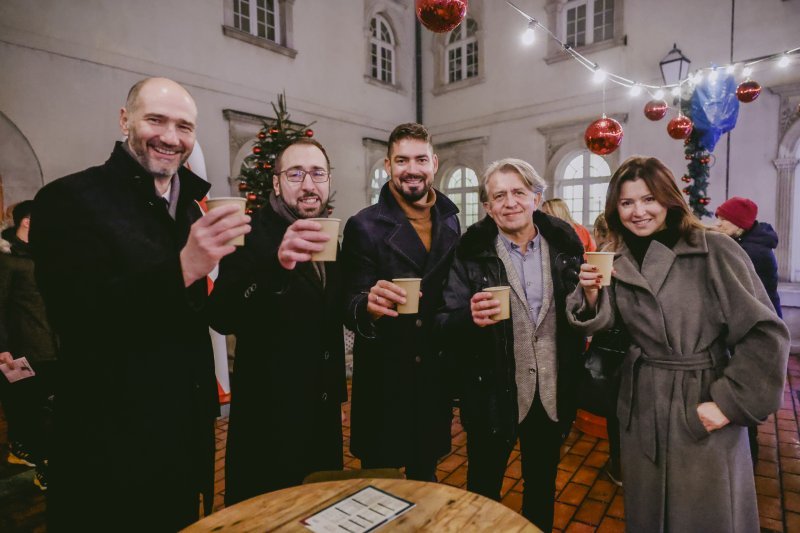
(443, 240)
(656, 265)
(511, 272)
(547, 281)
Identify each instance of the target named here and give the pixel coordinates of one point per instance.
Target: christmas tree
(697, 172)
(255, 179)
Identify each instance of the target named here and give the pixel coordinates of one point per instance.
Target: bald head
(159, 119)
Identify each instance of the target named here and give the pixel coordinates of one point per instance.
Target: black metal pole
(418, 67)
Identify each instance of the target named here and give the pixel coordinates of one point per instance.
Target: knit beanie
(739, 211)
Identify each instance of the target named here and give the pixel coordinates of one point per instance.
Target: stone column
(784, 214)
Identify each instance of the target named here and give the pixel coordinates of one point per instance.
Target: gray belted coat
(702, 329)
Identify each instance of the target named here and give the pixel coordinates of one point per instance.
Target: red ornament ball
(266, 166)
(242, 186)
(441, 16)
(686, 179)
(273, 131)
(603, 136)
(686, 190)
(680, 127)
(309, 133)
(704, 201)
(747, 91)
(256, 150)
(262, 135)
(655, 109)
(251, 196)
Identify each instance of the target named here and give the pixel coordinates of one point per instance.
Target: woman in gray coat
(689, 299)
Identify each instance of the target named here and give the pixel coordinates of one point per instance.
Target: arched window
(377, 180)
(583, 185)
(462, 52)
(382, 56)
(461, 186)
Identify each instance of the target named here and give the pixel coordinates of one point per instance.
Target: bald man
(122, 251)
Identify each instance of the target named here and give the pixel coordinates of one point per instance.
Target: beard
(415, 192)
(301, 211)
(158, 169)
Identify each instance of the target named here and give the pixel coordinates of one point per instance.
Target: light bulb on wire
(659, 94)
(746, 71)
(731, 69)
(530, 35)
(635, 90)
(599, 75)
(783, 62)
(676, 91)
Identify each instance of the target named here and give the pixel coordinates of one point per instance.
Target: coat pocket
(691, 399)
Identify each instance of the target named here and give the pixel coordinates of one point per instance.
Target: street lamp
(674, 66)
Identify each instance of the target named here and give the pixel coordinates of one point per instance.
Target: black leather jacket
(485, 356)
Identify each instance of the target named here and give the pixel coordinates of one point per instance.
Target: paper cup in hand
(604, 262)
(330, 226)
(501, 293)
(213, 203)
(411, 286)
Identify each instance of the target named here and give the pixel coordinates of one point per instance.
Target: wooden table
(438, 507)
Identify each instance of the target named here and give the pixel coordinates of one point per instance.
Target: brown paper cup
(604, 262)
(213, 203)
(330, 226)
(411, 286)
(502, 294)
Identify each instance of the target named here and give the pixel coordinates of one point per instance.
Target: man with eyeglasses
(289, 377)
(401, 408)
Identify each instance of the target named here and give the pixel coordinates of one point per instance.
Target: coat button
(418, 359)
(418, 323)
(324, 396)
(327, 355)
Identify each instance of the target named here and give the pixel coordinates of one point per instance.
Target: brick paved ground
(586, 499)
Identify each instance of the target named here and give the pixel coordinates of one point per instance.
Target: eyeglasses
(298, 175)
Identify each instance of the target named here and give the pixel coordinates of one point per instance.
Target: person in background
(736, 218)
(558, 208)
(285, 309)
(25, 331)
(600, 231)
(708, 356)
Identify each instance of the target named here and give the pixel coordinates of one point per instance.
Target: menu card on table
(366, 510)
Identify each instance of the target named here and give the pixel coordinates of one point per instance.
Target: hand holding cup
(383, 299)
(483, 306)
(301, 240)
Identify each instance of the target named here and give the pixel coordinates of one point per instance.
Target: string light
(636, 90)
(784, 59)
(676, 91)
(530, 35)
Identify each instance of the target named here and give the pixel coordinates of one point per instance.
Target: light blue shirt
(529, 271)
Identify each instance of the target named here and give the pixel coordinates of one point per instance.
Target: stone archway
(20, 172)
(788, 193)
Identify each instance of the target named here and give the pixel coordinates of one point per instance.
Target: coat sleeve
(454, 318)
(246, 278)
(751, 386)
(79, 275)
(360, 271)
(6, 277)
(586, 321)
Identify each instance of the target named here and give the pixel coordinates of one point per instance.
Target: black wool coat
(760, 242)
(24, 328)
(401, 406)
(485, 356)
(137, 395)
(289, 373)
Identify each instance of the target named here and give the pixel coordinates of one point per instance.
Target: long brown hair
(559, 209)
(661, 183)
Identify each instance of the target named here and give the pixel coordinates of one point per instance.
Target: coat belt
(639, 367)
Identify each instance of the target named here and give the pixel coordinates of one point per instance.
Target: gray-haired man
(519, 374)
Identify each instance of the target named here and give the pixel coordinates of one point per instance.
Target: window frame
(253, 22)
(586, 182)
(379, 45)
(557, 15)
(466, 45)
(463, 191)
(233, 26)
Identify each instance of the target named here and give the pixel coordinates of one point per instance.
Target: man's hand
(208, 238)
(8, 359)
(382, 299)
(300, 240)
(484, 305)
(711, 416)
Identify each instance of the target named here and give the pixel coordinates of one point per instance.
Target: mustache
(408, 176)
(175, 148)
